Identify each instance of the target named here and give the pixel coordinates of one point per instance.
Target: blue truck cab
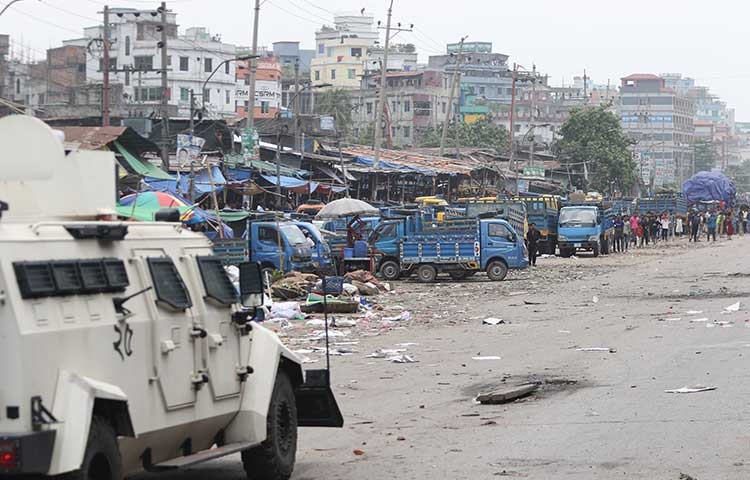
(321, 252)
(584, 228)
(492, 246)
(279, 246)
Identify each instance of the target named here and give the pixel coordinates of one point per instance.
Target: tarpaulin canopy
(369, 162)
(201, 183)
(142, 168)
(284, 181)
(144, 205)
(708, 186)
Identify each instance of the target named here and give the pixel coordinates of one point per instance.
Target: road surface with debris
(605, 339)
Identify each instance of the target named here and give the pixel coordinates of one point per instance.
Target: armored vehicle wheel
(390, 270)
(102, 460)
(497, 270)
(426, 273)
(274, 458)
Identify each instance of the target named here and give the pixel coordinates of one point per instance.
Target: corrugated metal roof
(410, 159)
(90, 138)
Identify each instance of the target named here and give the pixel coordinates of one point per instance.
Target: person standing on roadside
(664, 223)
(634, 229)
(619, 226)
(695, 225)
(626, 232)
(678, 226)
(711, 222)
(720, 223)
(729, 225)
(744, 220)
(532, 240)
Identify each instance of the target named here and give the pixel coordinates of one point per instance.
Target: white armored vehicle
(123, 346)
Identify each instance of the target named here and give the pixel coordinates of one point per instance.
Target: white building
(191, 58)
(341, 51)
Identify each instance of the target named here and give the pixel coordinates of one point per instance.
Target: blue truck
(673, 203)
(543, 211)
(321, 251)
(585, 227)
(491, 245)
(279, 246)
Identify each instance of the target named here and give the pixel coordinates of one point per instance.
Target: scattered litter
(407, 344)
(303, 351)
(358, 452)
(735, 307)
(697, 320)
(404, 316)
(344, 323)
(384, 352)
(507, 394)
(674, 319)
(597, 349)
(287, 310)
(489, 357)
(693, 389)
(694, 312)
(563, 331)
(530, 302)
(514, 294)
(493, 321)
(595, 299)
(309, 360)
(402, 359)
(724, 324)
(316, 323)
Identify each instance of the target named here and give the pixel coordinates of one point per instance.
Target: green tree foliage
(337, 103)
(593, 135)
(481, 134)
(739, 174)
(705, 155)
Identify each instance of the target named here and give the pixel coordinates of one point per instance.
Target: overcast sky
(703, 39)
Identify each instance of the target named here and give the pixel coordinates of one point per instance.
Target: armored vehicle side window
(117, 276)
(92, 273)
(66, 277)
(216, 282)
(35, 279)
(168, 284)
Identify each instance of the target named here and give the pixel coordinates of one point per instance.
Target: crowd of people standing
(640, 230)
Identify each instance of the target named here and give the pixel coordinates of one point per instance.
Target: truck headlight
(593, 238)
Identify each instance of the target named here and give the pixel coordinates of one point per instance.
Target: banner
(189, 148)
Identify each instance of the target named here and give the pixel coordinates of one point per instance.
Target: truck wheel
(390, 270)
(596, 250)
(102, 460)
(426, 273)
(565, 253)
(274, 458)
(459, 274)
(497, 271)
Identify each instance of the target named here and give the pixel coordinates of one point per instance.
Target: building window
(321, 49)
(208, 65)
(18, 85)
(317, 74)
(112, 64)
(227, 97)
(407, 106)
(393, 106)
(127, 46)
(481, 90)
(184, 94)
(143, 62)
(330, 52)
(393, 131)
(356, 52)
(184, 63)
(444, 107)
(148, 94)
(407, 132)
(368, 106)
(333, 74)
(127, 78)
(226, 68)
(207, 95)
(265, 107)
(351, 73)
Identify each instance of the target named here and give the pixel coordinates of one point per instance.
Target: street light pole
(381, 106)
(205, 83)
(454, 82)
(253, 70)
(8, 6)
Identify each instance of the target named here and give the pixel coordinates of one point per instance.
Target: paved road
(598, 415)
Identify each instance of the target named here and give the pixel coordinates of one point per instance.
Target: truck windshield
(577, 218)
(293, 235)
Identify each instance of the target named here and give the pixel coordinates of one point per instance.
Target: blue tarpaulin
(369, 162)
(201, 183)
(708, 186)
(286, 182)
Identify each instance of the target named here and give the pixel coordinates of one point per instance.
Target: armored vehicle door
(215, 295)
(172, 327)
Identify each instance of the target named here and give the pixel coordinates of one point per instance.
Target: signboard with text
(265, 91)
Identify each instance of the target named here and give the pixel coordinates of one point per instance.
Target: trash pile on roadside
(358, 309)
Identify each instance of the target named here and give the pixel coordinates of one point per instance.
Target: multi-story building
(290, 55)
(135, 60)
(401, 57)
(661, 122)
(267, 87)
(66, 71)
(341, 53)
(415, 101)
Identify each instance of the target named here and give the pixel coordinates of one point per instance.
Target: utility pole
(105, 70)
(512, 114)
(253, 70)
(165, 142)
(381, 97)
(454, 83)
(192, 112)
(295, 106)
(585, 86)
(532, 114)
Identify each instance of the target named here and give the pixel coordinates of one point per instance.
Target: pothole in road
(548, 386)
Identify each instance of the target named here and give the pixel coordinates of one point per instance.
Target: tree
(481, 134)
(593, 138)
(338, 104)
(740, 175)
(705, 155)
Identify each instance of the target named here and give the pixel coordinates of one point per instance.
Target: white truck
(124, 347)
